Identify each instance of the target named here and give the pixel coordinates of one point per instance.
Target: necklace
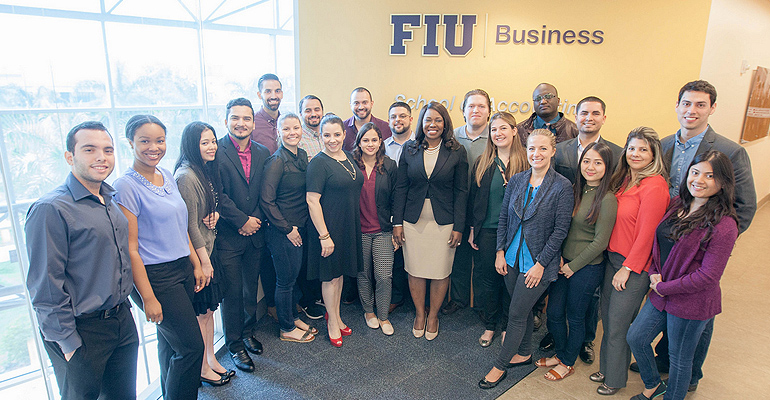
(434, 149)
(351, 173)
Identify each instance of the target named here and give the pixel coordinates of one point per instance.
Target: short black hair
(91, 125)
(591, 99)
(267, 77)
(400, 104)
(699, 86)
(238, 102)
(310, 97)
(362, 89)
(138, 121)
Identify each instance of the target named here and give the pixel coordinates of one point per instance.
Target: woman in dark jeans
(689, 255)
(582, 268)
(503, 157)
(283, 201)
(534, 221)
(376, 230)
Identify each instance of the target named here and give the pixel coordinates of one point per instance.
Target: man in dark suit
(590, 118)
(240, 240)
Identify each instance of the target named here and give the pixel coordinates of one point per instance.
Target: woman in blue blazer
(534, 221)
(429, 211)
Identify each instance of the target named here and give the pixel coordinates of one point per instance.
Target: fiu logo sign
(459, 29)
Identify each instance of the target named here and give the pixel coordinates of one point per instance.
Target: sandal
(555, 376)
(543, 362)
(307, 337)
(313, 331)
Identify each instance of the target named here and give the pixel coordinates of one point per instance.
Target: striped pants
(377, 273)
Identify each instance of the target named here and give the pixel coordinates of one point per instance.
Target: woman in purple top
(164, 264)
(693, 243)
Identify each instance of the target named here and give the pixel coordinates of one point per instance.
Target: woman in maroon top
(376, 230)
(692, 246)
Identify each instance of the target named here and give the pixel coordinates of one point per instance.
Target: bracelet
(628, 269)
(324, 237)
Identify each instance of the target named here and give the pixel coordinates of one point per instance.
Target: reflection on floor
(739, 355)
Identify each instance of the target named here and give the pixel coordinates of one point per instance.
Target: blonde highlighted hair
(655, 167)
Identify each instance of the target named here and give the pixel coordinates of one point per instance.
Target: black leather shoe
(634, 367)
(485, 384)
(216, 382)
(547, 343)
(451, 308)
(587, 353)
(605, 390)
(690, 388)
(253, 345)
(242, 360)
(659, 391)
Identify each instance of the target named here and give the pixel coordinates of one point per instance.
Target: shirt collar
(238, 148)
(693, 140)
(390, 140)
(262, 114)
(79, 192)
(464, 133)
(539, 122)
(310, 131)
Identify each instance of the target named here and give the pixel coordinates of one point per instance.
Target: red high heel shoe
(336, 342)
(346, 332)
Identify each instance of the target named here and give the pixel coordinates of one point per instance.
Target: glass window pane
(71, 5)
(41, 70)
(247, 56)
(154, 65)
(165, 9)
(245, 13)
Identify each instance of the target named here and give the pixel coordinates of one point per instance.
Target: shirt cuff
(71, 343)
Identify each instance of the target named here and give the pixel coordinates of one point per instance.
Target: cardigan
(546, 222)
(640, 208)
(194, 195)
(690, 276)
(384, 186)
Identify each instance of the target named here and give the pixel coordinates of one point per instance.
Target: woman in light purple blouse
(693, 243)
(165, 267)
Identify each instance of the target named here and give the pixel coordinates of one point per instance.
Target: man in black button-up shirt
(80, 274)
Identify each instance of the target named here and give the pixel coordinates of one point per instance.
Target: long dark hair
(379, 164)
(604, 185)
(190, 156)
(719, 205)
(448, 135)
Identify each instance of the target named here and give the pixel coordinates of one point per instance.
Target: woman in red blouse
(642, 192)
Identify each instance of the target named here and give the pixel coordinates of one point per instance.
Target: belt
(106, 314)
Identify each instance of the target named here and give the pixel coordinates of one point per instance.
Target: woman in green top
(503, 157)
(582, 267)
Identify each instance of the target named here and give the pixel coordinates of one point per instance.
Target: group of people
(545, 207)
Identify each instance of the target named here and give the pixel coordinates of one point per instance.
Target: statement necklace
(434, 149)
(351, 173)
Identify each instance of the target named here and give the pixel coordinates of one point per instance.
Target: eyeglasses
(547, 96)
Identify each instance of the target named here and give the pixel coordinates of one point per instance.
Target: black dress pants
(105, 365)
(180, 344)
(239, 305)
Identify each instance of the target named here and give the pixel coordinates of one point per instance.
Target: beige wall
(737, 31)
(650, 49)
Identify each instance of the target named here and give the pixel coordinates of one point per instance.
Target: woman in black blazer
(429, 211)
(503, 157)
(376, 205)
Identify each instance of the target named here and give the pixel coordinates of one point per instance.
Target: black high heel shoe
(229, 373)
(223, 380)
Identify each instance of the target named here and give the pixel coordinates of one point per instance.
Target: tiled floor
(739, 356)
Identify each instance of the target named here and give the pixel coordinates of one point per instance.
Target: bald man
(545, 101)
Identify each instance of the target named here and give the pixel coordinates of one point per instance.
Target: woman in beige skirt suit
(429, 211)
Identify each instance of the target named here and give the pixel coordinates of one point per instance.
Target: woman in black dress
(334, 184)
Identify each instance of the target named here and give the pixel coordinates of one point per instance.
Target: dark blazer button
(248, 198)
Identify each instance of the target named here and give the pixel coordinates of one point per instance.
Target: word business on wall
(459, 31)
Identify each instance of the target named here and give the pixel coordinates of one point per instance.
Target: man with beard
(545, 101)
(312, 110)
(400, 123)
(265, 120)
(473, 136)
(240, 241)
(361, 104)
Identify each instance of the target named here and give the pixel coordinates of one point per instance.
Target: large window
(65, 62)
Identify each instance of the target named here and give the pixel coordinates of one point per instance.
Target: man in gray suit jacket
(590, 118)
(696, 102)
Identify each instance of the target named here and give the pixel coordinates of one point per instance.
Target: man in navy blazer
(240, 241)
(697, 101)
